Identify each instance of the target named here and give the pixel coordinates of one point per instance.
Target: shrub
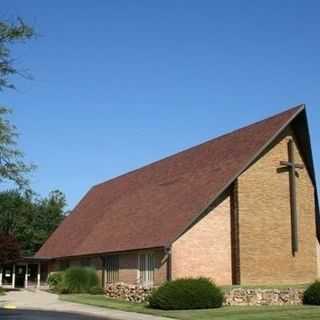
(92, 280)
(312, 294)
(55, 279)
(96, 290)
(79, 280)
(61, 289)
(188, 293)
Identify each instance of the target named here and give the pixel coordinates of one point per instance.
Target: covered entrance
(21, 272)
(25, 273)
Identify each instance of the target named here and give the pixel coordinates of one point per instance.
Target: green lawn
(226, 313)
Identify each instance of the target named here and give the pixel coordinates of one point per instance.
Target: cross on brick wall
(292, 166)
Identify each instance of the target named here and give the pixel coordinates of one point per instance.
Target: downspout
(103, 260)
(168, 253)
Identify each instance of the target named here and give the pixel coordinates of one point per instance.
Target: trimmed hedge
(312, 294)
(79, 280)
(187, 293)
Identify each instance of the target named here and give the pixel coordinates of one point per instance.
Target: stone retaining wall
(132, 293)
(233, 297)
(255, 297)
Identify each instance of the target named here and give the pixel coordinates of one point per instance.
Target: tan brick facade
(205, 249)
(318, 259)
(265, 221)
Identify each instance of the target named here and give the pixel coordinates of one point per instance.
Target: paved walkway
(42, 300)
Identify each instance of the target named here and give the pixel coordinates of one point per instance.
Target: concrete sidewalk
(42, 300)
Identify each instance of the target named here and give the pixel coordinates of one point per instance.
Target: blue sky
(119, 84)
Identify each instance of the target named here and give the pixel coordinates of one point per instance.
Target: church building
(239, 209)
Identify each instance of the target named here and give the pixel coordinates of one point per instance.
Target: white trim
(13, 285)
(147, 278)
(38, 275)
(26, 277)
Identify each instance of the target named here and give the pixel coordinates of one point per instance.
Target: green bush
(55, 280)
(61, 289)
(188, 293)
(312, 294)
(93, 280)
(79, 280)
(96, 290)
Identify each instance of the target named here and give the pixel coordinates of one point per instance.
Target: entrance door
(20, 276)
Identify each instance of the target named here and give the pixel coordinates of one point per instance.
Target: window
(146, 269)
(112, 268)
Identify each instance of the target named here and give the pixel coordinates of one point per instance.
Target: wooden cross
(292, 166)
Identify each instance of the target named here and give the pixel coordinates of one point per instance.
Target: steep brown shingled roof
(151, 206)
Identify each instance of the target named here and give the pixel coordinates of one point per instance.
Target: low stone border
(132, 293)
(255, 297)
(233, 297)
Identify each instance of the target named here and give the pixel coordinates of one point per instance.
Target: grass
(226, 313)
(2, 292)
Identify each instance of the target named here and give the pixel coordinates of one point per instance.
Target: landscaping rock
(233, 297)
(132, 293)
(254, 297)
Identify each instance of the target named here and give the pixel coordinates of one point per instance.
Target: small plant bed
(224, 313)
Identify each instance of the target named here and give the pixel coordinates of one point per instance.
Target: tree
(31, 219)
(9, 248)
(9, 34)
(12, 166)
(48, 215)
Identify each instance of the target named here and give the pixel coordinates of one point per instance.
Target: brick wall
(53, 266)
(161, 268)
(205, 249)
(265, 221)
(128, 264)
